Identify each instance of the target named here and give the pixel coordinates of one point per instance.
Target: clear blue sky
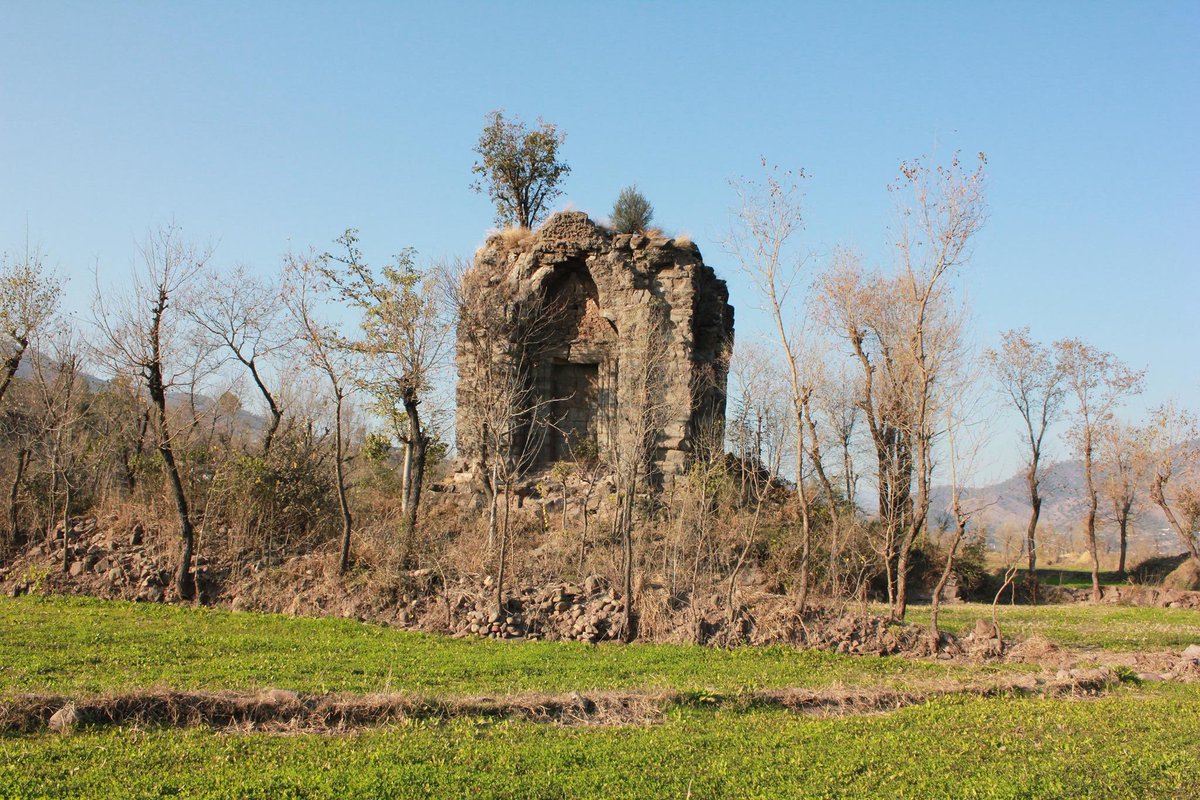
(259, 126)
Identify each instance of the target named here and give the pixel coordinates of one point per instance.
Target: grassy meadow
(1133, 741)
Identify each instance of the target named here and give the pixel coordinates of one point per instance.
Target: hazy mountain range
(1005, 507)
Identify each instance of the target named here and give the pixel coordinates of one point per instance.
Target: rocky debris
(64, 720)
(1088, 680)
(984, 641)
(861, 635)
(1128, 595)
(102, 561)
(560, 611)
(104, 564)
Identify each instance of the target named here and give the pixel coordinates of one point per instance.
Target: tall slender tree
(327, 352)
(769, 217)
(1031, 378)
(142, 333)
(1098, 382)
(404, 338)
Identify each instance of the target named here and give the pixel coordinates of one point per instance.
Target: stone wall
(613, 308)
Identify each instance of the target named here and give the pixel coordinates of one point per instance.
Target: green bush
(632, 212)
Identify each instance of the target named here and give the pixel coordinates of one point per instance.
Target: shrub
(632, 212)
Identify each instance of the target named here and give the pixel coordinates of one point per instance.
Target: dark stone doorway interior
(576, 388)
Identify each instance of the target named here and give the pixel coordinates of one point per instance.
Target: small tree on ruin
(519, 168)
(631, 212)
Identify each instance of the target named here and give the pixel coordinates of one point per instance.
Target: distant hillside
(250, 419)
(1063, 506)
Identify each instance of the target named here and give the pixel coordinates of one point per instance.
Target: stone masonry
(612, 303)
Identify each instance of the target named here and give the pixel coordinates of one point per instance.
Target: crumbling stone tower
(604, 306)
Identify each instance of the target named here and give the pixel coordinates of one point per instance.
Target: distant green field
(74, 645)
(1080, 625)
(1136, 743)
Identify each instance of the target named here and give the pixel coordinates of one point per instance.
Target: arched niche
(577, 380)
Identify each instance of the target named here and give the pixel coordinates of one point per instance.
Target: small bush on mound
(632, 212)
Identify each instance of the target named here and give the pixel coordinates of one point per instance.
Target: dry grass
(513, 238)
(285, 711)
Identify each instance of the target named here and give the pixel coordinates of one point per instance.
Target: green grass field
(1134, 741)
(1079, 626)
(73, 645)
(1134, 744)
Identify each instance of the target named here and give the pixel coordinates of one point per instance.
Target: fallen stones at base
(102, 561)
(1126, 595)
(1185, 670)
(563, 611)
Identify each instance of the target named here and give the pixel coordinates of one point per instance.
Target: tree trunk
(16, 537)
(1123, 525)
(1092, 551)
(276, 414)
(11, 364)
(418, 443)
(799, 405)
(900, 606)
(1035, 504)
(501, 568)
(629, 623)
(564, 505)
(184, 583)
(66, 521)
(492, 482)
(340, 475)
(1186, 538)
(935, 603)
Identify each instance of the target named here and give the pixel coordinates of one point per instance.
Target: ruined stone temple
(604, 312)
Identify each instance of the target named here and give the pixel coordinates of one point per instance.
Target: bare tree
(1121, 467)
(761, 435)
(904, 332)
(965, 438)
(1098, 382)
(1173, 444)
(768, 218)
(20, 434)
(1031, 378)
(242, 314)
(29, 296)
(633, 441)
(58, 388)
(141, 333)
(328, 353)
